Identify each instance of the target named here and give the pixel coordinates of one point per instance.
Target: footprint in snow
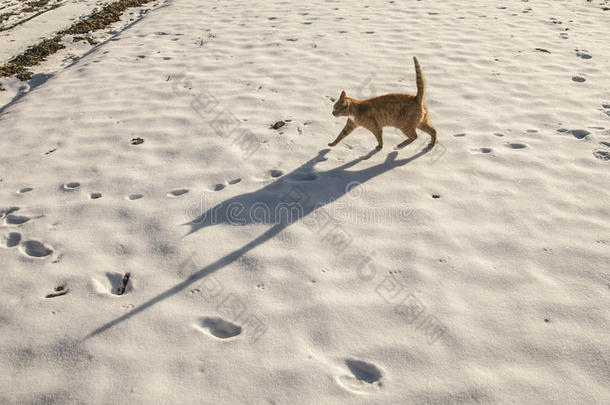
(299, 177)
(579, 133)
(10, 240)
(34, 248)
(602, 155)
(7, 211)
(516, 145)
(114, 284)
(273, 174)
(24, 190)
(70, 186)
(219, 327)
(364, 378)
(483, 150)
(16, 219)
(583, 54)
(133, 197)
(177, 192)
(12, 219)
(58, 291)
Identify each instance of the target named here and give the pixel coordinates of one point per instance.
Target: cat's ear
(342, 94)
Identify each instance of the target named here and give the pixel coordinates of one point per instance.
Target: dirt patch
(104, 17)
(35, 5)
(31, 57)
(87, 38)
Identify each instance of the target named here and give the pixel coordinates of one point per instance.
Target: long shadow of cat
(289, 199)
(294, 196)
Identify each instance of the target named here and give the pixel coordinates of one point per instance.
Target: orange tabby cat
(402, 111)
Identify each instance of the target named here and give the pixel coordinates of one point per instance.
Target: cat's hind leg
(410, 134)
(427, 127)
(348, 129)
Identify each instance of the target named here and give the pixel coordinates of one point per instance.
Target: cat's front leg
(378, 132)
(348, 129)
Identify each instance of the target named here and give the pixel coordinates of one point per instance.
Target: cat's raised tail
(421, 83)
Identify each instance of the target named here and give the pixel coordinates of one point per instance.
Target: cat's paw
(378, 147)
(332, 144)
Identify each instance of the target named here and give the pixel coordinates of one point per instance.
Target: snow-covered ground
(476, 272)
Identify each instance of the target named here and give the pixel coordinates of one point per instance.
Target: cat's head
(340, 109)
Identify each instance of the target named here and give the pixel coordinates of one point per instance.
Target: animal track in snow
(34, 248)
(177, 192)
(578, 79)
(602, 154)
(483, 150)
(70, 186)
(24, 190)
(302, 176)
(516, 145)
(275, 173)
(114, 283)
(219, 327)
(132, 197)
(120, 283)
(10, 240)
(58, 291)
(364, 371)
(95, 196)
(366, 377)
(583, 54)
(218, 187)
(234, 181)
(16, 219)
(579, 133)
(7, 211)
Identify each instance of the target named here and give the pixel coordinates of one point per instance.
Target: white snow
(476, 272)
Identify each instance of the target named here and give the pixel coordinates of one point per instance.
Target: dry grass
(106, 16)
(31, 57)
(34, 5)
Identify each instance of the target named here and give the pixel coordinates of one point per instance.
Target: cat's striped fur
(402, 111)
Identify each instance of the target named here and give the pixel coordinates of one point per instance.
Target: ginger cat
(402, 111)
